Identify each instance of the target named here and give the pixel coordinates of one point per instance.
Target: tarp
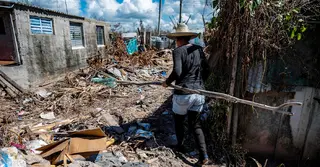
(197, 41)
(132, 46)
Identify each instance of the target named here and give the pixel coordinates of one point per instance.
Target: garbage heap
(87, 119)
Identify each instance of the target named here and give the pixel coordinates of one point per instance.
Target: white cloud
(130, 12)
(193, 8)
(72, 6)
(102, 8)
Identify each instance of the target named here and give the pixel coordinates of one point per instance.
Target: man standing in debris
(190, 70)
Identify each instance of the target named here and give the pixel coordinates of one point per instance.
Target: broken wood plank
(70, 158)
(65, 164)
(50, 126)
(13, 83)
(7, 89)
(221, 96)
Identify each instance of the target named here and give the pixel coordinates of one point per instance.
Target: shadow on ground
(163, 139)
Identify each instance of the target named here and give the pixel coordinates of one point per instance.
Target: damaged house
(37, 44)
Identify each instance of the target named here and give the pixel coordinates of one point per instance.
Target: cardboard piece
(86, 142)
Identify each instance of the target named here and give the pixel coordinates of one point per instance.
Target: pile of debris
(46, 127)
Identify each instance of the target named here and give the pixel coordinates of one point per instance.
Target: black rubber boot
(203, 160)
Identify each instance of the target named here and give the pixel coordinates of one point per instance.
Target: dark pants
(194, 123)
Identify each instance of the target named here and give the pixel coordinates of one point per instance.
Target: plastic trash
(132, 46)
(43, 93)
(82, 164)
(110, 159)
(27, 100)
(143, 134)
(18, 146)
(110, 82)
(165, 113)
(20, 113)
(36, 161)
(117, 73)
(35, 144)
(132, 129)
(5, 160)
(163, 74)
(48, 116)
(11, 157)
(145, 126)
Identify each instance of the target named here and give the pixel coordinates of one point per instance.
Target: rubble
(129, 117)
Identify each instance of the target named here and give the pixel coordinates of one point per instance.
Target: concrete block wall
(273, 135)
(47, 56)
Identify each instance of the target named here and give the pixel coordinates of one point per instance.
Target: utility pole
(180, 15)
(160, 6)
(65, 2)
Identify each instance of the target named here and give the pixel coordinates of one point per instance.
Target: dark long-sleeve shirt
(190, 68)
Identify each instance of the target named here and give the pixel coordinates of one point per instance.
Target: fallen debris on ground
(127, 115)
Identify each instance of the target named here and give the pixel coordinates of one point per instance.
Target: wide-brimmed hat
(182, 30)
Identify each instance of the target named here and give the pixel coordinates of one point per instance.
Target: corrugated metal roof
(18, 4)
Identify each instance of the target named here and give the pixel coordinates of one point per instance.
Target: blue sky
(129, 12)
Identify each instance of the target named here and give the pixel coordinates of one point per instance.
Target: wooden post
(233, 81)
(159, 21)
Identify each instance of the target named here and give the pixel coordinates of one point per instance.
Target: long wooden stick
(222, 96)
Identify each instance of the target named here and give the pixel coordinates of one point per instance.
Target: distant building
(129, 35)
(37, 44)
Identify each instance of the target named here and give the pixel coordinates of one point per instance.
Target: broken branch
(222, 96)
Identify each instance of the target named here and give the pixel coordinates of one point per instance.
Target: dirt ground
(148, 104)
(82, 103)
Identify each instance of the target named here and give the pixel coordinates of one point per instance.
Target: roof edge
(21, 5)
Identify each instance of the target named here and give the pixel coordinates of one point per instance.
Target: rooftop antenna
(65, 2)
(175, 20)
(174, 24)
(188, 19)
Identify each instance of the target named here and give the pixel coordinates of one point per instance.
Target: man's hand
(164, 84)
